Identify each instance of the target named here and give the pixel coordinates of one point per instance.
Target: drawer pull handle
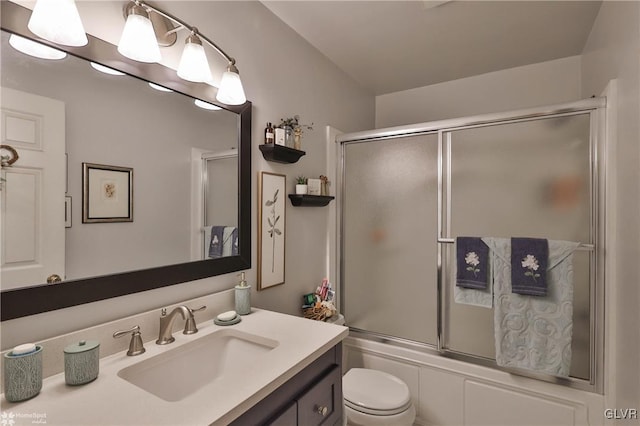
(322, 410)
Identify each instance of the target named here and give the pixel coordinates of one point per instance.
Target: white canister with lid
(81, 362)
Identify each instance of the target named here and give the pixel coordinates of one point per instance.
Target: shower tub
(406, 192)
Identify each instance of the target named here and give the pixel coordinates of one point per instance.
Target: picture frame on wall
(107, 193)
(271, 229)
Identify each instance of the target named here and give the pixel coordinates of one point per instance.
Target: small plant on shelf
(294, 122)
(301, 185)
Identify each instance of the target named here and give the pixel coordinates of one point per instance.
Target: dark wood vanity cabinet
(311, 397)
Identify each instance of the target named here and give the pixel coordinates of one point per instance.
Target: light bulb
(138, 40)
(58, 21)
(35, 49)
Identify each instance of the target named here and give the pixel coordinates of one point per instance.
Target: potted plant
(294, 130)
(301, 185)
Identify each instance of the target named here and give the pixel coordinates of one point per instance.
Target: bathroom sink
(179, 372)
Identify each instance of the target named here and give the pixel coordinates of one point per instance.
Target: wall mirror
(165, 139)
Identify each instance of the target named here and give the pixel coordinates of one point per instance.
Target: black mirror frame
(48, 297)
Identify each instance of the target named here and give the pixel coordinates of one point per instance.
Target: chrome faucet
(166, 323)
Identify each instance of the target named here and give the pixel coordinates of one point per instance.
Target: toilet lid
(375, 391)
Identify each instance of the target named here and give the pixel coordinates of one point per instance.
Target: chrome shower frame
(595, 107)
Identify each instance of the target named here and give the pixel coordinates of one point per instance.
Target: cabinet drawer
(322, 403)
(287, 418)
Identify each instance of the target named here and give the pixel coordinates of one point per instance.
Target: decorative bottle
(269, 136)
(243, 297)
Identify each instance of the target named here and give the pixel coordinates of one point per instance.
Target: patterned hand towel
(472, 262)
(529, 259)
(534, 333)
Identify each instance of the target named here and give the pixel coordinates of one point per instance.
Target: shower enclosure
(407, 192)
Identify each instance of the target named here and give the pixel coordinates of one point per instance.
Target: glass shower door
(389, 229)
(520, 179)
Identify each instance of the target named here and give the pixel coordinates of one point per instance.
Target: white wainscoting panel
(448, 392)
(490, 405)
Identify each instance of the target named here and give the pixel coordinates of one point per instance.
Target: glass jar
(288, 136)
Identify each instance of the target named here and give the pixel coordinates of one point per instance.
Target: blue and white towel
(529, 258)
(473, 252)
(220, 241)
(216, 242)
(472, 262)
(534, 333)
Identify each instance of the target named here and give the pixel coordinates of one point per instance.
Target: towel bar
(582, 247)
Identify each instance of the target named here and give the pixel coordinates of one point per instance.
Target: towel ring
(8, 160)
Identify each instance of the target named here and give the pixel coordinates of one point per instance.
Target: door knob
(53, 278)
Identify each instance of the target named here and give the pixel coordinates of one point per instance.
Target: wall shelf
(310, 200)
(280, 154)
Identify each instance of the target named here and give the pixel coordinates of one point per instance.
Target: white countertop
(111, 400)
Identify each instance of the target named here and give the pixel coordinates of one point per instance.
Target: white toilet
(373, 397)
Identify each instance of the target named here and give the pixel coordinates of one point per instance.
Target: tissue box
(314, 186)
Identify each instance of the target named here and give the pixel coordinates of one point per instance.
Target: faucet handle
(136, 347)
(190, 324)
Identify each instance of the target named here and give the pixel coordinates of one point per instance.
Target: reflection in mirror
(116, 121)
(152, 132)
(220, 201)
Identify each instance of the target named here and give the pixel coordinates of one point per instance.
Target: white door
(33, 210)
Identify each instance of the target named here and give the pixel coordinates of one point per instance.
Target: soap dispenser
(243, 296)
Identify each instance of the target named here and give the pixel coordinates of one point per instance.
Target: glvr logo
(621, 413)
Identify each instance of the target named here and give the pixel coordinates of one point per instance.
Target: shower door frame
(595, 107)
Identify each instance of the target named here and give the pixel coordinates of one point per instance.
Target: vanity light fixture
(33, 48)
(196, 67)
(58, 21)
(206, 105)
(105, 70)
(138, 40)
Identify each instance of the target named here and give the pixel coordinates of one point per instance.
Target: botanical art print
(107, 194)
(271, 233)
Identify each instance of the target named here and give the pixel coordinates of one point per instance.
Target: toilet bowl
(373, 397)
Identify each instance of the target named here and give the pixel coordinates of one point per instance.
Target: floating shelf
(310, 200)
(280, 154)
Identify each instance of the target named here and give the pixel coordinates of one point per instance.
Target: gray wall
(539, 84)
(282, 75)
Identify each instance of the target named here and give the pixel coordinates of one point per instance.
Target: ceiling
(389, 46)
